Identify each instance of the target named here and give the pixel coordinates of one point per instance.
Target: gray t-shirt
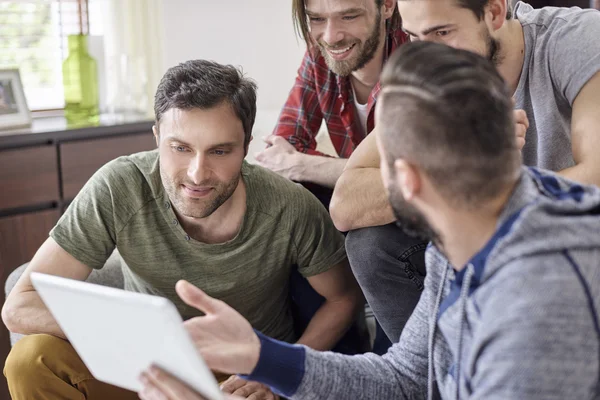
(562, 53)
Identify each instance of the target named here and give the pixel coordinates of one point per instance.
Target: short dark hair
(206, 84)
(301, 20)
(449, 112)
(478, 7)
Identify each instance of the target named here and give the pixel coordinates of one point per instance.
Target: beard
(198, 208)
(409, 219)
(365, 51)
(494, 48)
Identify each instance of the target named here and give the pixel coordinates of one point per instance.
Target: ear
(495, 14)
(156, 135)
(409, 179)
(388, 8)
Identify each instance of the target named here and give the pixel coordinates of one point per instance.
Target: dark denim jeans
(390, 268)
(306, 300)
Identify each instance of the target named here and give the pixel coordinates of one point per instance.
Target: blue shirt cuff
(280, 366)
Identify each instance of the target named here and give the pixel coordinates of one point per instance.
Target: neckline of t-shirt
(528, 49)
(356, 102)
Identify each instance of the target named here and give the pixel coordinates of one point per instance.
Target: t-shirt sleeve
(318, 243)
(88, 228)
(574, 55)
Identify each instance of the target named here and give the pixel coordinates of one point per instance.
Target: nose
(198, 169)
(333, 33)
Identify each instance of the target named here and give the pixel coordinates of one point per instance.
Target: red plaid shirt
(319, 93)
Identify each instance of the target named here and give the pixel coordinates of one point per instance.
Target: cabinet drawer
(80, 160)
(22, 235)
(28, 176)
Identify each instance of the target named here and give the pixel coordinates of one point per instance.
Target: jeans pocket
(414, 264)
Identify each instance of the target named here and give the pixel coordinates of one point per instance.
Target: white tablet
(119, 334)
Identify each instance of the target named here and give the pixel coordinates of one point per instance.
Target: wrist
(298, 172)
(253, 354)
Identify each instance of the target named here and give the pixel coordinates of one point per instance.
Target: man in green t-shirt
(192, 209)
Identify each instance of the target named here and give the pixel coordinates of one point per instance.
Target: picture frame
(14, 112)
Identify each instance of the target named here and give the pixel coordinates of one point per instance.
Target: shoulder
(275, 195)
(266, 187)
(535, 288)
(554, 20)
(129, 179)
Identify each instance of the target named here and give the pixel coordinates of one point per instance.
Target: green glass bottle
(80, 81)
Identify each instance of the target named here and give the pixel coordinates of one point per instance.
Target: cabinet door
(28, 177)
(79, 160)
(20, 237)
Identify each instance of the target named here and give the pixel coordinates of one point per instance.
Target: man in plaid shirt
(348, 42)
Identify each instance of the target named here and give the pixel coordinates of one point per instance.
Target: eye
(219, 152)
(179, 148)
(442, 33)
(315, 20)
(349, 17)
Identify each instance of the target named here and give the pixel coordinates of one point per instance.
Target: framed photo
(13, 106)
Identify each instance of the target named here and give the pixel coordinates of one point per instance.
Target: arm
(296, 157)
(24, 312)
(83, 239)
(228, 343)
(283, 158)
(585, 134)
(359, 199)
(343, 299)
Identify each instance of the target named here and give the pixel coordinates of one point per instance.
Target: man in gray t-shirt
(549, 57)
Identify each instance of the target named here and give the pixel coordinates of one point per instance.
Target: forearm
(324, 171)
(583, 173)
(330, 323)
(359, 200)
(26, 313)
(297, 372)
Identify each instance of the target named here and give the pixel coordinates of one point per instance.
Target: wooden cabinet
(41, 171)
(79, 160)
(28, 176)
(20, 237)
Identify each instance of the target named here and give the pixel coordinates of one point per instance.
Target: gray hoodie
(520, 321)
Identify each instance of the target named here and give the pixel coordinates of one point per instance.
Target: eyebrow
(429, 30)
(354, 10)
(174, 138)
(224, 144)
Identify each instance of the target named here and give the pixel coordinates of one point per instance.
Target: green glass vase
(80, 80)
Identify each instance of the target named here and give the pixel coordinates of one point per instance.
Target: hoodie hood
(545, 213)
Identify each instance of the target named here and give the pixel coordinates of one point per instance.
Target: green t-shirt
(124, 205)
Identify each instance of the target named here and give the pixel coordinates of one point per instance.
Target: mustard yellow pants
(44, 367)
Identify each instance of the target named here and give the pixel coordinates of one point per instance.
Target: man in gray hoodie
(509, 308)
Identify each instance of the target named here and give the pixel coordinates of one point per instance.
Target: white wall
(255, 34)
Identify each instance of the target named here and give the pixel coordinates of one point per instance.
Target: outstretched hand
(223, 337)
